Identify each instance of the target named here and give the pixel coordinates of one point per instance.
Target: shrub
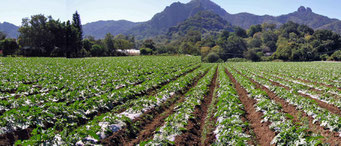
(97, 50)
(336, 56)
(146, 51)
(252, 55)
(266, 58)
(8, 46)
(237, 60)
(84, 53)
(212, 57)
(324, 57)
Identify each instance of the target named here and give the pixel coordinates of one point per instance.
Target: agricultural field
(168, 101)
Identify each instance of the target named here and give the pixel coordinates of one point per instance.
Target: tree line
(266, 42)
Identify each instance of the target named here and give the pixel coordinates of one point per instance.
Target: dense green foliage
(45, 37)
(290, 42)
(336, 55)
(8, 46)
(40, 36)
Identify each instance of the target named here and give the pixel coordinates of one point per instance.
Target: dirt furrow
(192, 136)
(330, 137)
(146, 125)
(209, 138)
(263, 133)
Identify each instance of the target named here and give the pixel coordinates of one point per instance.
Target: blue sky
(142, 10)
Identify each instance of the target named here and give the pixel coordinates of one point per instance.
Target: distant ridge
(177, 13)
(9, 29)
(100, 28)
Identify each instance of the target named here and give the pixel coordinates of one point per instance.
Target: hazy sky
(142, 10)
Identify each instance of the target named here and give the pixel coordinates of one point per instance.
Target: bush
(252, 55)
(84, 53)
(8, 46)
(146, 51)
(324, 57)
(212, 57)
(266, 58)
(97, 50)
(336, 56)
(238, 60)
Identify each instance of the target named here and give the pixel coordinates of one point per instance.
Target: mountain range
(206, 22)
(177, 14)
(9, 29)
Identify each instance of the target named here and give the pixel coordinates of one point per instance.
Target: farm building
(130, 52)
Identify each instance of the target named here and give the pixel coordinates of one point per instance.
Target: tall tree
(76, 23)
(240, 32)
(69, 49)
(233, 47)
(254, 29)
(149, 44)
(109, 44)
(36, 36)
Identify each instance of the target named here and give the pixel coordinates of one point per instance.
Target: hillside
(207, 22)
(99, 29)
(335, 26)
(10, 29)
(173, 15)
(178, 12)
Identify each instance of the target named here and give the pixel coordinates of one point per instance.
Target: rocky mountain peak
(303, 9)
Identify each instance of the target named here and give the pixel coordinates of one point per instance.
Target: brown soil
(192, 136)
(9, 139)
(148, 122)
(262, 131)
(210, 137)
(332, 108)
(330, 137)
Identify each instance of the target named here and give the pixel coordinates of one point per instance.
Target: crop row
(298, 87)
(320, 115)
(111, 123)
(321, 73)
(78, 87)
(287, 133)
(230, 128)
(61, 115)
(176, 123)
